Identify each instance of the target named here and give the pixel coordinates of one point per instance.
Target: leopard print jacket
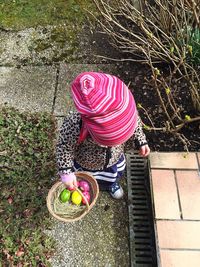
(88, 154)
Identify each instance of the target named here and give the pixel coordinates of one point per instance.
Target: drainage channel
(141, 225)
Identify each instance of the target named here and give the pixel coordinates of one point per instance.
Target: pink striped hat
(107, 108)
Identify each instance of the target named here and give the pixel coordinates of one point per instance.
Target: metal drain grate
(141, 226)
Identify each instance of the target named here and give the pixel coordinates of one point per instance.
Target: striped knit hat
(107, 108)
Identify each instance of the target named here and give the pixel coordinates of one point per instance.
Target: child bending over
(92, 139)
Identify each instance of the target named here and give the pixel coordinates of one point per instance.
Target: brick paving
(175, 182)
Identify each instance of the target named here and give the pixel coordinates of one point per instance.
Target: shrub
(160, 33)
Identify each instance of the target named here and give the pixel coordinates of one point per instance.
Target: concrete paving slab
(99, 239)
(176, 183)
(176, 258)
(173, 160)
(37, 45)
(28, 88)
(67, 74)
(165, 194)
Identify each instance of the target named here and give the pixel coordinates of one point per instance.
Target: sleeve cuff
(143, 144)
(65, 171)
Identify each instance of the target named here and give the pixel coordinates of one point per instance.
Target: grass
(27, 165)
(20, 14)
(66, 18)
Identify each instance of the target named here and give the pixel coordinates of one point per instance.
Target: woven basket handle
(87, 204)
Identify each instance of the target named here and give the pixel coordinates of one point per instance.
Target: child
(93, 138)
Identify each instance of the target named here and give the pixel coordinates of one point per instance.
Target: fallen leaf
(19, 253)
(6, 253)
(10, 200)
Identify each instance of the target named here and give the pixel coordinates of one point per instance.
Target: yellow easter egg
(76, 198)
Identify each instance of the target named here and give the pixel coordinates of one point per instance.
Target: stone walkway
(175, 179)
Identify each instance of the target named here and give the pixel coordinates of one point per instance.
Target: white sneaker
(116, 191)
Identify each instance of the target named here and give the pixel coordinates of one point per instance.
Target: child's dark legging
(107, 177)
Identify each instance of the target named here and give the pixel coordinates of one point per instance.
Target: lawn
(20, 14)
(27, 166)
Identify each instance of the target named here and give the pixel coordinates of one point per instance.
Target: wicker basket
(68, 217)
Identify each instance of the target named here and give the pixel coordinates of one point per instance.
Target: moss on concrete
(21, 14)
(48, 28)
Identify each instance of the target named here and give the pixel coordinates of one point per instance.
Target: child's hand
(69, 180)
(144, 151)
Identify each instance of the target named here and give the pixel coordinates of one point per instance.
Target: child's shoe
(116, 191)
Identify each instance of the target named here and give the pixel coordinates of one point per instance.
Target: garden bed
(145, 95)
(27, 166)
(138, 76)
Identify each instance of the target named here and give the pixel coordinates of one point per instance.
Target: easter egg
(73, 188)
(84, 185)
(87, 196)
(76, 198)
(65, 195)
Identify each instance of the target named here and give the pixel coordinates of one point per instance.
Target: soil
(138, 76)
(147, 96)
